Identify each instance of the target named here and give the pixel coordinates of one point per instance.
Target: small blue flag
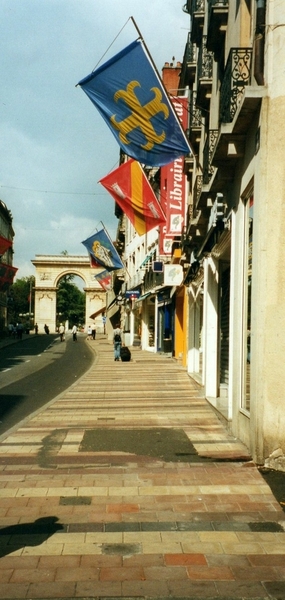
(129, 95)
(103, 251)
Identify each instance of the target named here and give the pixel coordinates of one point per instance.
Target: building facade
(224, 317)
(232, 67)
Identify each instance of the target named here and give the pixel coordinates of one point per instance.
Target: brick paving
(128, 485)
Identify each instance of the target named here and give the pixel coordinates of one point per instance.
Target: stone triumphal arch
(49, 270)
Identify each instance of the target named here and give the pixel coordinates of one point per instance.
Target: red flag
(133, 193)
(105, 280)
(4, 244)
(7, 273)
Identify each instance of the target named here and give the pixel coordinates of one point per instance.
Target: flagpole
(135, 25)
(149, 55)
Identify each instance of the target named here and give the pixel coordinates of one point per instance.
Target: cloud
(54, 146)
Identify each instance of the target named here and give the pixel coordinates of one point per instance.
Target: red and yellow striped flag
(133, 193)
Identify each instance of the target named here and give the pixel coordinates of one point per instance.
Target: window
(245, 404)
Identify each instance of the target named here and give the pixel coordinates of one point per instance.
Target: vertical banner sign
(173, 189)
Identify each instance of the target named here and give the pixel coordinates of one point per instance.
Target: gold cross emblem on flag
(140, 116)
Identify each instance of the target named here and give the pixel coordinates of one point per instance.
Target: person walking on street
(93, 328)
(89, 332)
(74, 333)
(20, 329)
(117, 341)
(61, 332)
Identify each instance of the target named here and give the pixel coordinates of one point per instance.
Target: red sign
(173, 190)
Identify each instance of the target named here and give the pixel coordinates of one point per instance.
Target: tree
(70, 302)
(21, 299)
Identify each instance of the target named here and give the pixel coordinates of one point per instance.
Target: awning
(210, 239)
(143, 297)
(98, 312)
(119, 299)
(112, 303)
(147, 258)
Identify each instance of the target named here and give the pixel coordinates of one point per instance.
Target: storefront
(165, 322)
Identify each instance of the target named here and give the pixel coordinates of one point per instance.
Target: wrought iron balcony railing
(208, 151)
(197, 192)
(236, 78)
(189, 64)
(195, 119)
(198, 5)
(191, 50)
(205, 61)
(204, 75)
(217, 3)
(197, 12)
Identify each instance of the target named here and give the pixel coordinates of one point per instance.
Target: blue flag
(103, 251)
(129, 95)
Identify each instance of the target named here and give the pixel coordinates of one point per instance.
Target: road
(35, 370)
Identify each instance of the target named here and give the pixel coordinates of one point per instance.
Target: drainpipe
(259, 42)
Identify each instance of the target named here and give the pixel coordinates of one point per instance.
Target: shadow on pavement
(163, 443)
(15, 537)
(8, 403)
(276, 482)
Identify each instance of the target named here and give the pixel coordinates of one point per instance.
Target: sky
(54, 146)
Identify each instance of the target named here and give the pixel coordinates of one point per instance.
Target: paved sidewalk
(128, 485)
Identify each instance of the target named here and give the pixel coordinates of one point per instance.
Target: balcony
(197, 221)
(239, 111)
(189, 64)
(197, 191)
(236, 78)
(204, 75)
(208, 168)
(197, 12)
(217, 24)
(188, 165)
(195, 121)
(198, 227)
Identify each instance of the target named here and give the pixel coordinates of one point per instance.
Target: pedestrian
(93, 329)
(61, 332)
(89, 332)
(10, 329)
(36, 329)
(117, 341)
(20, 329)
(74, 333)
(46, 328)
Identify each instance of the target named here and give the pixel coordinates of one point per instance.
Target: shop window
(201, 323)
(224, 323)
(247, 304)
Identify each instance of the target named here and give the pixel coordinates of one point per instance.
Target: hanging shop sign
(173, 190)
(132, 294)
(173, 274)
